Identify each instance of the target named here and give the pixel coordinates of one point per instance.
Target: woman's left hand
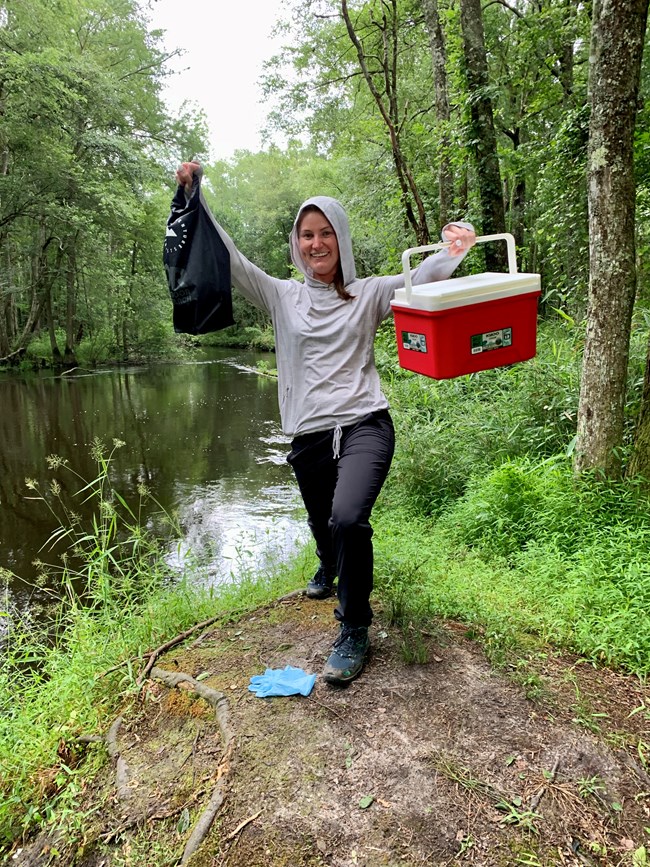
(460, 239)
(184, 174)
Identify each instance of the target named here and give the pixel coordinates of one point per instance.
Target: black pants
(339, 494)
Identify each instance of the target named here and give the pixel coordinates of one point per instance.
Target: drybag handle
(406, 256)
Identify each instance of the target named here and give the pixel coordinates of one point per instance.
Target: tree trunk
(617, 32)
(388, 106)
(516, 195)
(54, 346)
(6, 301)
(443, 113)
(566, 53)
(42, 287)
(640, 461)
(71, 304)
(483, 132)
(4, 318)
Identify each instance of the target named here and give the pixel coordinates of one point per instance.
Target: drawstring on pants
(336, 442)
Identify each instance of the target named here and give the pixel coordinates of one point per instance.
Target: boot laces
(322, 578)
(350, 640)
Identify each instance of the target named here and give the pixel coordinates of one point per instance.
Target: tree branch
(508, 6)
(148, 66)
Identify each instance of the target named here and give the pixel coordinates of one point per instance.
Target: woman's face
(319, 247)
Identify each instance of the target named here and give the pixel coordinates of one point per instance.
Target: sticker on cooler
(415, 342)
(492, 340)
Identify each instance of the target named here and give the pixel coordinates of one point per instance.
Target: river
(203, 436)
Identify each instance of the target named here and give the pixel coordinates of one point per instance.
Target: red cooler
(458, 326)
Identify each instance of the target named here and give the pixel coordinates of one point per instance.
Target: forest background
(511, 114)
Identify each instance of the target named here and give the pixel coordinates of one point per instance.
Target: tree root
(155, 815)
(242, 825)
(121, 767)
(154, 654)
(221, 708)
(295, 594)
(634, 766)
(13, 357)
(204, 823)
(217, 699)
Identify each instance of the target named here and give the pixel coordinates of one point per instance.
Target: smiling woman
(331, 402)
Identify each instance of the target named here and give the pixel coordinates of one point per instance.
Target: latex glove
(286, 681)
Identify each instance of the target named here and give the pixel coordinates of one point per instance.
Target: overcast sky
(225, 45)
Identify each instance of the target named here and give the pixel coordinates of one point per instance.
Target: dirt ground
(444, 762)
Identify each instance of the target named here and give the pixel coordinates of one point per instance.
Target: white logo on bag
(173, 233)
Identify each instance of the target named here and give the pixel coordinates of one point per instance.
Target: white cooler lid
(460, 291)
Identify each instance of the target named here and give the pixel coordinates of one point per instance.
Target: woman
(330, 397)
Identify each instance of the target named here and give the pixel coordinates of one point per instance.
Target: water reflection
(204, 437)
(234, 532)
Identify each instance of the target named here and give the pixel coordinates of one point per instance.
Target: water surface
(204, 437)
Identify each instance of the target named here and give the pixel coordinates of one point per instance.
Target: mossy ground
(446, 762)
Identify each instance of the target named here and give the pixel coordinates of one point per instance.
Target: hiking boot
(348, 654)
(321, 585)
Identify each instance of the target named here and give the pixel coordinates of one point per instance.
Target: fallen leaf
(184, 821)
(366, 801)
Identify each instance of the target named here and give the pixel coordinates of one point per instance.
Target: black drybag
(197, 265)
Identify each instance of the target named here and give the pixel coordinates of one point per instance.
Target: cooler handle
(406, 256)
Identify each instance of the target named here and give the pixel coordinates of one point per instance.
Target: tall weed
(522, 501)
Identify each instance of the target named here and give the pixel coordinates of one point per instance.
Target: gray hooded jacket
(324, 344)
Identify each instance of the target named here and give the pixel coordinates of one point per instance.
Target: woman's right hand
(185, 173)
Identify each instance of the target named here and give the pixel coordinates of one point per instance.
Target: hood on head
(338, 219)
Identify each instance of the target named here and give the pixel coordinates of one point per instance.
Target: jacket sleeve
(256, 285)
(440, 266)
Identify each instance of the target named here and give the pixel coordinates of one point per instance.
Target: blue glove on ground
(287, 681)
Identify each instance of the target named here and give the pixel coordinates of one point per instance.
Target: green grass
(527, 556)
